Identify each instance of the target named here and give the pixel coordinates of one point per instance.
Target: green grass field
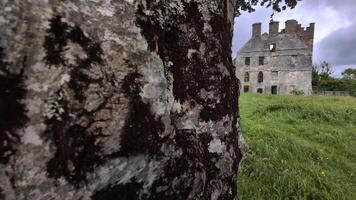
(299, 147)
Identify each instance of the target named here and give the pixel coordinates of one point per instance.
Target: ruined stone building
(277, 62)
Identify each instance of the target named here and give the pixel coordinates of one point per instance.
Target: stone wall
(292, 59)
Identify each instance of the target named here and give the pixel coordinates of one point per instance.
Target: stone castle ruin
(277, 62)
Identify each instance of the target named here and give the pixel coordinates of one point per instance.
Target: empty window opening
(260, 77)
(247, 77)
(246, 88)
(274, 89)
(294, 60)
(247, 61)
(261, 60)
(265, 45)
(259, 90)
(275, 75)
(272, 47)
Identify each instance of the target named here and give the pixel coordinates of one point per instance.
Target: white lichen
(31, 136)
(53, 109)
(130, 1)
(64, 78)
(107, 10)
(216, 146)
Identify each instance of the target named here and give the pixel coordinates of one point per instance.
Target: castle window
(260, 77)
(246, 88)
(294, 60)
(259, 90)
(274, 75)
(261, 60)
(274, 89)
(247, 61)
(247, 77)
(272, 47)
(265, 45)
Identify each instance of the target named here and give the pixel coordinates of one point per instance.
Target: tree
(322, 79)
(315, 75)
(321, 75)
(349, 73)
(325, 70)
(275, 4)
(118, 100)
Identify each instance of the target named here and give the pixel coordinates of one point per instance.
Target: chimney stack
(311, 27)
(256, 30)
(291, 26)
(273, 28)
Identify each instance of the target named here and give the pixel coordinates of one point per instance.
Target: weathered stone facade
(277, 62)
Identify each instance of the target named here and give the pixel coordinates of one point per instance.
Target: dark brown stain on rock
(80, 80)
(142, 129)
(194, 164)
(77, 151)
(55, 41)
(128, 191)
(12, 111)
(140, 135)
(186, 165)
(2, 196)
(200, 72)
(195, 72)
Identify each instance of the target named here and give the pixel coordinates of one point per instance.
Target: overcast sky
(335, 29)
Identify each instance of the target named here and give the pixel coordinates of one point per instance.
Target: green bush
(297, 92)
(353, 92)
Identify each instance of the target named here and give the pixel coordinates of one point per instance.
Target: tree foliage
(277, 5)
(322, 79)
(349, 73)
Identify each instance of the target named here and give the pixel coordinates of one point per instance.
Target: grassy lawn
(299, 147)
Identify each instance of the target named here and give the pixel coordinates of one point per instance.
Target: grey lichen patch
(155, 91)
(31, 136)
(140, 169)
(186, 174)
(216, 146)
(130, 112)
(191, 71)
(94, 99)
(193, 40)
(6, 189)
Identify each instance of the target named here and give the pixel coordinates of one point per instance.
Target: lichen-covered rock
(118, 99)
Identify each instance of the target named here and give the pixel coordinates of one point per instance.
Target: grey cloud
(347, 6)
(243, 26)
(338, 48)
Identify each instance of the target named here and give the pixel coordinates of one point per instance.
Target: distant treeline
(323, 81)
